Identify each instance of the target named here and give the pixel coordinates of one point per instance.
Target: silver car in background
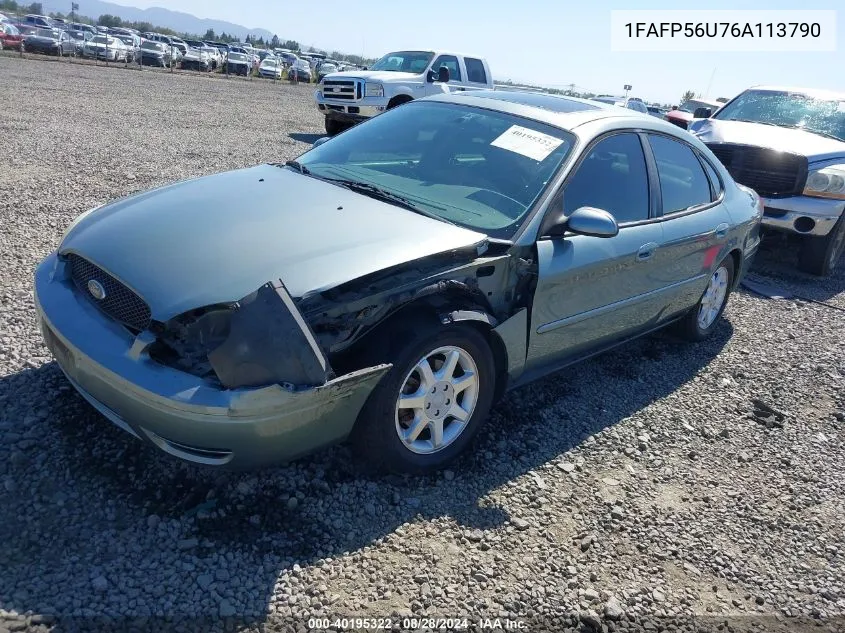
(394, 281)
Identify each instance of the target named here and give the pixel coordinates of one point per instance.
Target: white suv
(346, 98)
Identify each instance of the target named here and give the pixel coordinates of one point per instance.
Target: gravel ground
(630, 492)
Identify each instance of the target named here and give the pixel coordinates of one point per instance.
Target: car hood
(373, 75)
(813, 146)
(218, 238)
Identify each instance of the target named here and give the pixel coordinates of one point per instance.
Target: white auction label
(522, 140)
(723, 31)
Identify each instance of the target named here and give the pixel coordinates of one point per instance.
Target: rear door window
(475, 70)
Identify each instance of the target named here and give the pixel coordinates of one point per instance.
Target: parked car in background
(326, 69)
(346, 98)
(10, 37)
(79, 39)
(788, 144)
(81, 26)
(106, 47)
(657, 111)
(685, 113)
(133, 46)
(270, 67)
(238, 64)
(632, 103)
(155, 54)
(196, 59)
(369, 327)
(288, 58)
(300, 71)
(42, 21)
(180, 44)
(214, 57)
(50, 42)
(175, 51)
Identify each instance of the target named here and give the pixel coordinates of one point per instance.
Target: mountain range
(176, 20)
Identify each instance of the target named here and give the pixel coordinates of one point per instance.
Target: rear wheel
(429, 406)
(701, 321)
(819, 255)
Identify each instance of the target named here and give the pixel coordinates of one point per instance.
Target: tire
(819, 255)
(697, 327)
(376, 436)
(397, 101)
(333, 126)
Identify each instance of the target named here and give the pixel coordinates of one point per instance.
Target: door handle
(646, 251)
(722, 230)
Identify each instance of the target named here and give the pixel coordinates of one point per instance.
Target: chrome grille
(120, 303)
(769, 172)
(341, 89)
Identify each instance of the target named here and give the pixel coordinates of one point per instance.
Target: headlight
(373, 90)
(827, 182)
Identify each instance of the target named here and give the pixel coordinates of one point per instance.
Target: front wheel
(701, 321)
(819, 255)
(429, 406)
(333, 126)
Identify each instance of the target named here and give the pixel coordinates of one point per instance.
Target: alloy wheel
(714, 298)
(437, 400)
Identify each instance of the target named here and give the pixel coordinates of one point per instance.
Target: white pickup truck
(347, 98)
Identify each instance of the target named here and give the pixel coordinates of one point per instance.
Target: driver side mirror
(320, 141)
(583, 221)
(702, 113)
(442, 75)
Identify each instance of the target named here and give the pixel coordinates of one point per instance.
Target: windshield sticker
(526, 142)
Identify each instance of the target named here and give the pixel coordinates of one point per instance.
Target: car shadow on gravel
(114, 515)
(305, 138)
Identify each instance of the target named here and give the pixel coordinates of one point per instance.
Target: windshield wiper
(378, 193)
(302, 169)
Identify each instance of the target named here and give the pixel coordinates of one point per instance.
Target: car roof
(816, 93)
(564, 112)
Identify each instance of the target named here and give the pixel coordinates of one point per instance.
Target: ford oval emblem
(96, 289)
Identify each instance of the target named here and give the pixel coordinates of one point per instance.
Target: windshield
(269, 62)
(237, 57)
(102, 39)
(151, 46)
(788, 109)
(47, 33)
(692, 105)
(473, 167)
(126, 39)
(404, 61)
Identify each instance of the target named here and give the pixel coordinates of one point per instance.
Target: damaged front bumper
(182, 414)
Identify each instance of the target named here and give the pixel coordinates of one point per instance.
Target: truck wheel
(397, 101)
(333, 126)
(426, 410)
(819, 255)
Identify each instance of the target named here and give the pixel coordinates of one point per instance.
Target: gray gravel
(638, 487)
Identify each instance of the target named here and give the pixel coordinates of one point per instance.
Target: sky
(553, 43)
